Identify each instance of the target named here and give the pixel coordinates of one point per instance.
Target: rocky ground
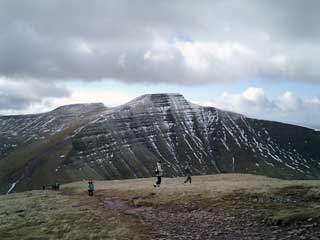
(288, 212)
(191, 221)
(201, 224)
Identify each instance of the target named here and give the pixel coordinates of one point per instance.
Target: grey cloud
(68, 40)
(17, 95)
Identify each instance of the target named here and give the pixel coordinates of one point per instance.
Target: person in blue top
(90, 188)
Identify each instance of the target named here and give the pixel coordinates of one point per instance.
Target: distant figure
(55, 186)
(187, 171)
(43, 187)
(158, 172)
(90, 188)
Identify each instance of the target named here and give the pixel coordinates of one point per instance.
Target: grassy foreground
(210, 187)
(53, 215)
(71, 214)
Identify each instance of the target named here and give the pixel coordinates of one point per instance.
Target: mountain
(25, 129)
(29, 143)
(91, 141)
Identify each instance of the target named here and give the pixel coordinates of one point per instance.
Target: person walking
(188, 172)
(90, 188)
(158, 172)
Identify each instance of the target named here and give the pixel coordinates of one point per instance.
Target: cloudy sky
(260, 58)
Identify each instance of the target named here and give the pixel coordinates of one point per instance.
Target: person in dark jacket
(158, 172)
(90, 188)
(55, 186)
(188, 172)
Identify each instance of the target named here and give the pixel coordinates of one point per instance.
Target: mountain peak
(78, 108)
(154, 96)
(175, 100)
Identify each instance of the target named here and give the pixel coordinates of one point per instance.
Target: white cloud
(252, 100)
(108, 98)
(288, 107)
(83, 47)
(279, 62)
(289, 102)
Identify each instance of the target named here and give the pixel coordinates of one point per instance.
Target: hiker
(158, 172)
(187, 171)
(90, 188)
(55, 186)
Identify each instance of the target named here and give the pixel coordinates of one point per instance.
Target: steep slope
(29, 141)
(25, 129)
(126, 141)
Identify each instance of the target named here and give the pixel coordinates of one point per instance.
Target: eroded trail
(201, 224)
(219, 207)
(232, 218)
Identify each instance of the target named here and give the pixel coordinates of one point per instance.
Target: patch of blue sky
(200, 93)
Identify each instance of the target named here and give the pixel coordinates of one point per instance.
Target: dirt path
(218, 207)
(182, 224)
(192, 222)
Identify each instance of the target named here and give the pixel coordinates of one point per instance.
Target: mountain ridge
(125, 142)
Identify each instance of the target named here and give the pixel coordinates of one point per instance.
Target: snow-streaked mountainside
(90, 141)
(20, 130)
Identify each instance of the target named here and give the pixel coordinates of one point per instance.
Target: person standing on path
(90, 188)
(188, 172)
(158, 172)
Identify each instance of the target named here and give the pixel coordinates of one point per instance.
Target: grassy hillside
(28, 164)
(225, 206)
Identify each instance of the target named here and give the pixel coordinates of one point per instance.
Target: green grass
(293, 215)
(23, 156)
(52, 215)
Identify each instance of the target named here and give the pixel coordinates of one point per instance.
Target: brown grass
(173, 189)
(52, 215)
(71, 214)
